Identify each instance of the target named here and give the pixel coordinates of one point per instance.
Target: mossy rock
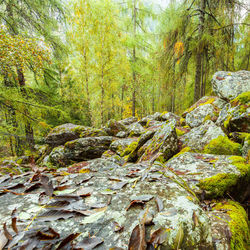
(238, 224)
(223, 146)
(241, 99)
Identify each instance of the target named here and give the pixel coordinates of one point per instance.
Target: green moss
(238, 225)
(208, 117)
(226, 122)
(223, 146)
(179, 132)
(217, 185)
(130, 148)
(243, 98)
(182, 122)
(184, 150)
(241, 165)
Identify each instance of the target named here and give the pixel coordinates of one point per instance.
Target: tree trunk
(199, 53)
(102, 97)
(134, 61)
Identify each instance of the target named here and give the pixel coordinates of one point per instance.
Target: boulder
(168, 116)
(93, 132)
(128, 121)
(57, 157)
(201, 136)
(87, 148)
(120, 146)
(135, 129)
(163, 144)
(63, 133)
(106, 206)
(113, 127)
(213, 174)
(201, 114)
(235, 116)
(228, 85)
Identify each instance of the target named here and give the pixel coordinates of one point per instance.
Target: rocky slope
(163, 181)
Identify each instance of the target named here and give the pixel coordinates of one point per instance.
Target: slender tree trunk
(122, 99)
(87, 88)
(199, 53)
(102, 97)
(134, 61)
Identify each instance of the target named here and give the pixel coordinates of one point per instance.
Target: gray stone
(200, 136)
(228, 85)
(135, 129)
(120, 145)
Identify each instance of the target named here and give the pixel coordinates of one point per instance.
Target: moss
(238, 225)
(223, 146)
(208, 117)
(226, 122)
(179, 132)
(217, 185)
(241, 165)
(182, 122)
(243, 98)
(130, 148)
(184, 150)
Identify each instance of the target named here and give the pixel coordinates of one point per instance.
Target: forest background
(86, 61)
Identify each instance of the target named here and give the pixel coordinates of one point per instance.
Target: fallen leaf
(117, 227)
(67, 240)
(89, 243)
(84, 191)
(13, 220)
(6, 232)
(137, 239)
(119, 185)
(3, 240)
(135, 202)
(159, 236)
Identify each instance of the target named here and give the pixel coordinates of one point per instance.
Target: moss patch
(241, 165)
(217, 185)
(238, 225)
(130, 148)
(223, 146)
(179, 132)
(243, 98)
(184, 150)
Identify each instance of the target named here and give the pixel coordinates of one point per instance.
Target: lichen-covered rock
(239, 233)
(202, 113)
(119, 146)
(121, 134)
(201, 136)
(215, 101)
(128, 121)
(228, 85)
(113, 127)
(63, 133)
(93, 132)
(163, 144)
(57, 157)
(109, 211)
(87, 148)
(214, 174)
(235, 118)
(113, 157)
(135, 129)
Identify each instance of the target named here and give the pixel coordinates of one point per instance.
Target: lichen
(227, 121)
(238, 225)
(223, 146)
(217, 185)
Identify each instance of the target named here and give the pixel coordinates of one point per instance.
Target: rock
(119, 146)
(201, 136)
(155, 117)
(113, 157)
(93, 132)
(113, 127)
(169, 116)
(214, 174)
(57, 157)
(128, 121)
(87, 148)
(135, 129)
(63, 133)
(201, 114)
(228, 85)
(109, 210)
(122, 134)
(236, 115)
(215, 101)
(163, 144)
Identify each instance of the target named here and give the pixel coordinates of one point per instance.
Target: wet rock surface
(164, 181)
